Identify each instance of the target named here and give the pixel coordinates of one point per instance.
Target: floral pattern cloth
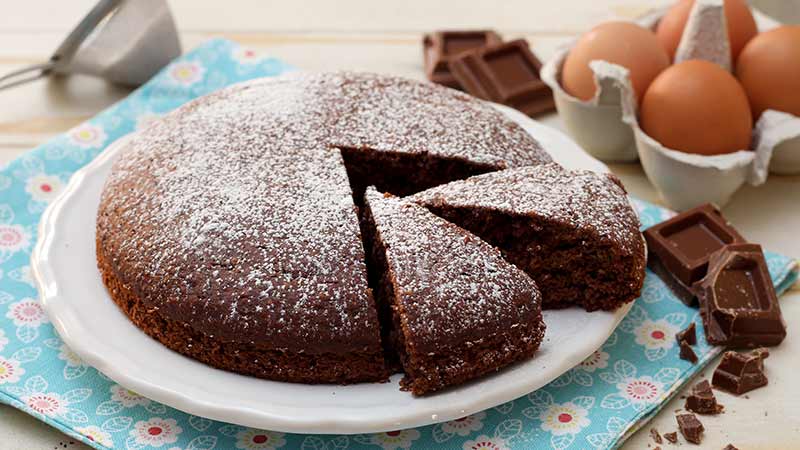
(595, 405)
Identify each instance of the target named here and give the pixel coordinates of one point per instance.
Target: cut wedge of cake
(574, 232)
(451, 307)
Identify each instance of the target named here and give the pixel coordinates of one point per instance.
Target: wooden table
(385, 37)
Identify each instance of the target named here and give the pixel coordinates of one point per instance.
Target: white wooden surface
(385, 37)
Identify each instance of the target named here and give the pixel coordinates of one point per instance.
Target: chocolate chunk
(738, 373)
(679, 248)
(671, 437)
(688, 334)
(686, 352)
(702, 400)
(730, 447)
(656, 436)
(507, 74)
(440, 47)
(738, 302)
(690, 428)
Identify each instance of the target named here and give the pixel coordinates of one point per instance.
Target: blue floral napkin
(595, 405)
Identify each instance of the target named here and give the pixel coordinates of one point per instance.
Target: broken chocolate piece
(738, 302)
(671, 437)
(507, 74)
(440, 47)
(656, 436)
(702, 400)
(730, 447)
(686, 352)
(738, 373)
(680, 247)
(688, 334)
(690, 428)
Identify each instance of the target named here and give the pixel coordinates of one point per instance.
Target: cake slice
(451, 307)
(574, 232)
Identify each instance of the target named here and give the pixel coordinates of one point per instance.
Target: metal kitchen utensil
(122, 41)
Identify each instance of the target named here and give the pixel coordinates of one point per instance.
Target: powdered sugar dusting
(587, 201)
(453, 287)
(234, 213)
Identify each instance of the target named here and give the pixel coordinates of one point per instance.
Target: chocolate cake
(574, 232)
(452, 308)
(228, 230)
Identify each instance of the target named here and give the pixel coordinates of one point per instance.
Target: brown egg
(623, 43)
(697, 107)
(741, 25)
(769, 70)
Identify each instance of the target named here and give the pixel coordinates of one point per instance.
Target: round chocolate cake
(230, 229)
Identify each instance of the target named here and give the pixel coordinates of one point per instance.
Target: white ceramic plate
(90, 323)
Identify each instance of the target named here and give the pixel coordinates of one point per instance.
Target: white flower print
(465, 425)
(658, 334)
(156, 432)
(393, 440)
(564, 418)
(23, 275)
(13, 238)
(253, 439)
(43, 188)
(484, 442)
(127, 397)
(27, 312)
(245, 55)
(67, 355)
(10, 370)
(633, 390)
(48, 404)
(597, 360)
(640, 390)
(96, 434)
(186, 73)
(87, 136)
(145, 119)
(3, 340)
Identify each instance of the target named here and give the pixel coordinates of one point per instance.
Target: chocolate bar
(690, 428)
(688, 334)
(686, 352)
(507, 74)
(440, 47)
(738, 302)
(738, 373)
(680, 247)
(702, 400)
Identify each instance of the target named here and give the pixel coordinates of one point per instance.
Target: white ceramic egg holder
(607, 127)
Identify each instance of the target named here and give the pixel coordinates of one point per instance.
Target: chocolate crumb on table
(690, 428)
(688, 335)
(656, 436)
(730, 447)
(671, 437)
(738, 373)
(686, 352)
(702, 400)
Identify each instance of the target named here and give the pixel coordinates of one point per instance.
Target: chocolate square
(702, 400)
(680, 247)
(506, 74)
(738, 373)
(738, 302)
(440, 47)
(690, 428)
